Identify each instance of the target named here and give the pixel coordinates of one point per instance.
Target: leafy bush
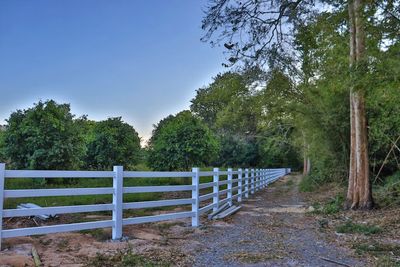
(44, 137)
(114, 143)
(180, 142)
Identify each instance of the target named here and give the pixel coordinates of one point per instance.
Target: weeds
(351, 228)
(386, 254)
(333, 206)
(98, 234)
(308, 184)
(388, 194)
(123, 259)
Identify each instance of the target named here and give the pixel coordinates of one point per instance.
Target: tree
(113, 142)
(44, 137)
(180, 142)
(359, 189)
(2, 145)
(257, 32)
(238, 108)
(212, 99)
(237, 151)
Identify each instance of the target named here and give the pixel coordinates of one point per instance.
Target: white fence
(240, 184)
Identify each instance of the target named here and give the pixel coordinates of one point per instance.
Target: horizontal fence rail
(205, 197)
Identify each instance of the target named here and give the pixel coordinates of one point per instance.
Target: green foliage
(323, 118)
(308, 184)
(276, 149)
(180, 142)
(383, 112)
(331, 207)
(211, 100)
(386, 254)
(334, 206)
(2, 146)
(350, 228)
(44, 137)
(252, 119)
(114, 142)
(388, 193)
(236, 151)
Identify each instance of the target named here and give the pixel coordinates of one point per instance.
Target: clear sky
(139, 59)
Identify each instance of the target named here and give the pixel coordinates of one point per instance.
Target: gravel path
(271, 229)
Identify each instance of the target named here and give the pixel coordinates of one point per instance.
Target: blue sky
(141, 60)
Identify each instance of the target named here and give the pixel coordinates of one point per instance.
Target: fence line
(247, 181)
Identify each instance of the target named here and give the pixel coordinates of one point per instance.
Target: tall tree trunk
(306, 159)
(359, 195)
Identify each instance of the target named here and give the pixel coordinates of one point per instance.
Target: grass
(98, 234)
(386, 254)
(308, 184)
(331, 207)
(351, 228)
(85, 183)
(29, 183)
(123, 259)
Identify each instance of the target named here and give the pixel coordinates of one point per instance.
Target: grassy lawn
(30, 183)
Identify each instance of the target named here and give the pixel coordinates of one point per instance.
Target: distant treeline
(229, 125)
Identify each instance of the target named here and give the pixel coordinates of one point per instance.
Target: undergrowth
(386, 254)
(350, 227)
(388, 194)
(331, 207)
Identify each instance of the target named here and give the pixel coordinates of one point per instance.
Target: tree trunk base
(368, 205)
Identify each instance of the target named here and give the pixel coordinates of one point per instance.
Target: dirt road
(272, 229)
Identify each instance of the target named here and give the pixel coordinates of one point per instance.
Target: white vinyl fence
(240, 184)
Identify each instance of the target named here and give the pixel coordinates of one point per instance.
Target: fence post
(229, 195)
(240, 185)
(252, 181)
(264, 178)
(118, 183)
(195, 197)
(216, 189)
(246, 182)
(257, 179)
(2, 179)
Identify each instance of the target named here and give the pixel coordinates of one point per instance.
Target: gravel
(264, 234)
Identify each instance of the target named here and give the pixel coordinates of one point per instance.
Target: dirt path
(270, 230)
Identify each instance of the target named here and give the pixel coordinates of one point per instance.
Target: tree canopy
(112, 142)
(332, 51)
(44, 137)
(180, 142)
